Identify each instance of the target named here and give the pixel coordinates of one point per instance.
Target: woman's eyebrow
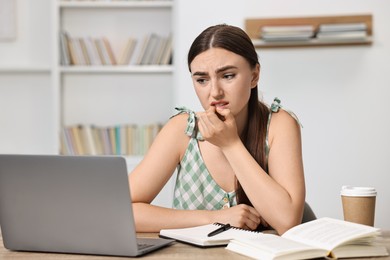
(222, 69)
(200, 73)
(219, 70)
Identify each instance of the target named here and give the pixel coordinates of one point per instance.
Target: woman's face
(223, 78)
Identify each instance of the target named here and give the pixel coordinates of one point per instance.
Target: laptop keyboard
(143, 246)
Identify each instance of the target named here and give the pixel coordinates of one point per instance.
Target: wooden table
(175, 251)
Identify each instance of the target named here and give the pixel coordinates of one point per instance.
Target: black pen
(219, 230)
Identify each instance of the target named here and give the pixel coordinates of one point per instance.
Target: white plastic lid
(347, 190)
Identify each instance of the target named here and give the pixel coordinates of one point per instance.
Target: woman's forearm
(151, 218)
(280, 206)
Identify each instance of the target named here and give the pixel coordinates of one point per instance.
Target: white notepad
(198, 235)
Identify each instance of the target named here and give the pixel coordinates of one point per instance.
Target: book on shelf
(288, 37)
(127, 52)
(92, 51)
(103, 52)
(75, 134)
(143, 48)
(106, 141)
(109, 51)
(151, 50)
(198, 236)
(84, 52)
(128, 139)
(159, 52)
(342, 32)
(342, 27)
(122, 139)
(324, 237)
(286, 29)
(65, 58)
(96, 140)
(88, 143)
(342, 36)
(112, 138)
(80, 54)
(166, 56)
(72, 52)
(65, 141)
(287, 32)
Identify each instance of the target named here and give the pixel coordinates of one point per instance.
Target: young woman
(238, 161)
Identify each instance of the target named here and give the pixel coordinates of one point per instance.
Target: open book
(324, 237)
(198, 235)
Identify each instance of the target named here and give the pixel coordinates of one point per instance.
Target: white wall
(25, 96)
(339, 93)
(30, 47)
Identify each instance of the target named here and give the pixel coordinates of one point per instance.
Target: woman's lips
(221, 104)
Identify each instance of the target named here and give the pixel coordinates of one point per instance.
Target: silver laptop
(69, 204)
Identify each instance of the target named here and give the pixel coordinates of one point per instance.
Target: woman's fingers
(241, 216)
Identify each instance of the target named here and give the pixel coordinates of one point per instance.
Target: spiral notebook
(198, 235)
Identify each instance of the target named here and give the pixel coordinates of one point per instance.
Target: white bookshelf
(44, 96)
(117, 94)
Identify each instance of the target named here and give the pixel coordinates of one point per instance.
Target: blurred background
(339, 93)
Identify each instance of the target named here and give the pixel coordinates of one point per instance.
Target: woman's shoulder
(173, 134)
(283, 122)
(177, 122)
(284, 129)
(284, 118)
(281, 116)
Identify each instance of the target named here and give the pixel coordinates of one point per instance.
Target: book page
(328, 233)
(270, 246)
(275, 244)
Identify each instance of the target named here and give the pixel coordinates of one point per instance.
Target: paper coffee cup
(359, 204)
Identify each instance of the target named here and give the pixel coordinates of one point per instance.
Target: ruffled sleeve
(191, 128)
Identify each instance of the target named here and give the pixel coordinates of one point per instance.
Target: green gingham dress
(195, 188)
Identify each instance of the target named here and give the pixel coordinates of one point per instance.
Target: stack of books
(89, 51)
(112, 140)
(85, 51)
(155, 50)
(342, 32)
(287, 33)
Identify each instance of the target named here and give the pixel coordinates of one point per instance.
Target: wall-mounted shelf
(253, 28)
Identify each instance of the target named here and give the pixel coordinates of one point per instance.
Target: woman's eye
(201, 81)
(229, 76)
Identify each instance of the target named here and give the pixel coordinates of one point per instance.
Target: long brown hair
(234, 39)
